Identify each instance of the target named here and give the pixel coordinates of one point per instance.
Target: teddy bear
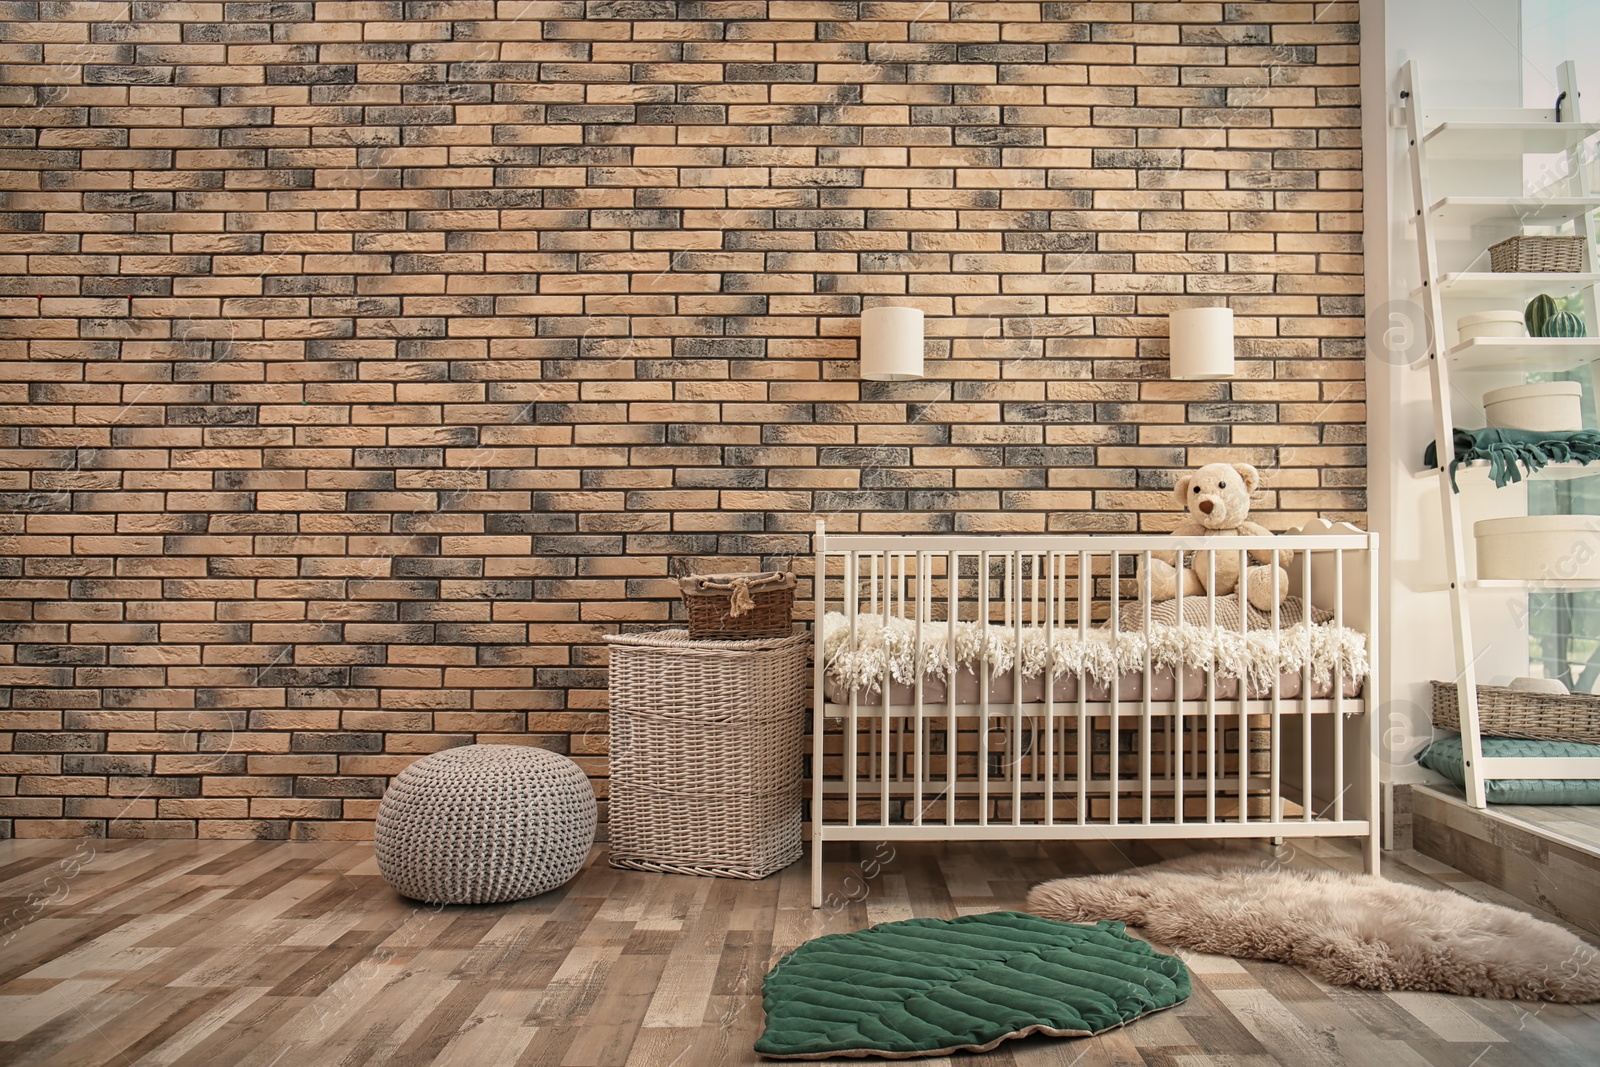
(1217, 497)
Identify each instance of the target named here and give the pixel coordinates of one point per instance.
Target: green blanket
(928, 987)
(1445, 756)
(1507, 450)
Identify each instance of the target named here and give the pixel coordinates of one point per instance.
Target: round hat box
(1539, 547)
(1491, 324)
(1547, 406)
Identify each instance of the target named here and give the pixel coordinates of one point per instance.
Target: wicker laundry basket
(1519, 713)
(706, 743)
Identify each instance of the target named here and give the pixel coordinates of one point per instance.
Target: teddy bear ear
(1251, 476)
(1180, 491)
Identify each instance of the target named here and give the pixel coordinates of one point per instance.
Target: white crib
(1199, 720)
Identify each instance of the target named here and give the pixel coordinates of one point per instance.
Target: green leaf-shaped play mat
(927, 987)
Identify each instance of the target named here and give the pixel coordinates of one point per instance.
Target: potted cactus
(1545, 318)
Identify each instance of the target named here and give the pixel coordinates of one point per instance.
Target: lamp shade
(891, 344)
(1200, 341)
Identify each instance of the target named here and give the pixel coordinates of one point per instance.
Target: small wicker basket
(1519, 713)
(1534, 255)
(706, 753)
(737, 607)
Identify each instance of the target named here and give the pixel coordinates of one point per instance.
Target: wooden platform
(1546, 856)
(255, 954)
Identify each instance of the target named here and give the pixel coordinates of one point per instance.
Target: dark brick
(335, 742)
(305, 786)
(769, 72)
(48, 741)
(1049, 456)
(77, 655)
(312, 74)
(115, 764)
(1048, 412)
(1224, 413)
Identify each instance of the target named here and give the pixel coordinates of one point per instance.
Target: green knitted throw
(1510, 452)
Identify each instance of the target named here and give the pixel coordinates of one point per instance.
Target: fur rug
(1355, 930)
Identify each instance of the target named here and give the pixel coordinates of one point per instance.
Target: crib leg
(1372, 849)
(816, 868)
(1277, 842)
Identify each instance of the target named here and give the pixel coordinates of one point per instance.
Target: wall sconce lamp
(1200, 342)
(891, 344)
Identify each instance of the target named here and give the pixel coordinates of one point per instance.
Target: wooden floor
(1579, 823)
(263, 953)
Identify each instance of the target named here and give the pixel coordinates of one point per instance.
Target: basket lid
(758, 582)
(679, 640)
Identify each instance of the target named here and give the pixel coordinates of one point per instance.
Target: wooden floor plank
(261, 954)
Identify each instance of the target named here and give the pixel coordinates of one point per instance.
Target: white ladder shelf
(1458, 137)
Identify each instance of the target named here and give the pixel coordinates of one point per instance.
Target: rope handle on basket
(741, 601)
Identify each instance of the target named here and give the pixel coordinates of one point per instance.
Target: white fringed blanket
(1258, 657)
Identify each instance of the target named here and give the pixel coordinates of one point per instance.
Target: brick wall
(365, 362)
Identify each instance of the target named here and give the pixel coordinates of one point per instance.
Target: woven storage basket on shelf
(737, 607)
(1533, 255)
(1519, 713)
(706, 742)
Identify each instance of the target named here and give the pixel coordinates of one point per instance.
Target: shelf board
(1523, 354)
(1480, 285)
(1498, 140)
(1571, 585)
(1477, 473)
(1468, 211)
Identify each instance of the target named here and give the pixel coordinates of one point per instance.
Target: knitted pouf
(485, 823)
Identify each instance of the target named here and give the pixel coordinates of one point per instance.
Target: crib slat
(1040, 564)
(1050, 696)
(1005, 586)
(852, 564)
(895, 738)
(1147, 706)
(1178, 762)
(1308, 794)
(1338, 691)
(1116, 683)
(879, 611)
(953, 609)
(872, 583)
(1033, 610)
(924, 588)
(1085, 759)
(1211, 694)
(1275, 735)
(983, 689)
(819, 722)
(888, 611)
(1244, 718)
(1014, 742)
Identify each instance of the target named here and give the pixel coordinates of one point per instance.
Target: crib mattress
(1130, 688)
